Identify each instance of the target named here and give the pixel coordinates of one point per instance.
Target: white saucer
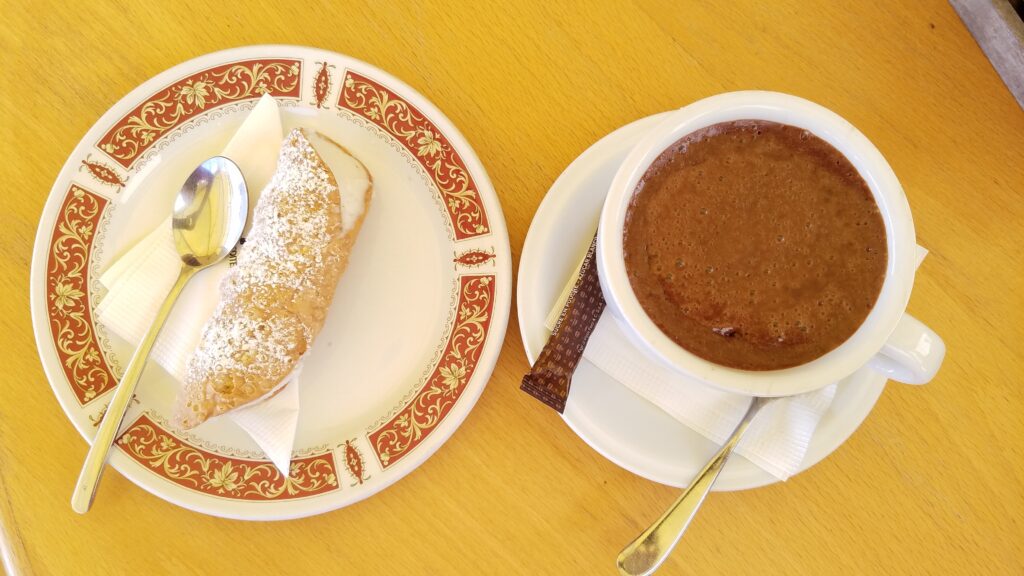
(621, 426)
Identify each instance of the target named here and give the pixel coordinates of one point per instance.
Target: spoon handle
(92, 469)
(645, 554)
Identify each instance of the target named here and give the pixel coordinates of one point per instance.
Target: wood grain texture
(932, 483)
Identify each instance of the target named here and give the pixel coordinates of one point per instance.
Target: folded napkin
(138, 281)
(777, 439)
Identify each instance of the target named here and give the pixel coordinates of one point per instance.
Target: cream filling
(354, 181)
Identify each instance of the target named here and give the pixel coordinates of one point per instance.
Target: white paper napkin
(138, 281)
(776, 441)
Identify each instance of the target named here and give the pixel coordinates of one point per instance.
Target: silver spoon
(645, 554)
(209, 214)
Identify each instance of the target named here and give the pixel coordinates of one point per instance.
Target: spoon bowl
(210, 212)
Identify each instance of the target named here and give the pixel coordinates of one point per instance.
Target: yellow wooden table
(932, 483)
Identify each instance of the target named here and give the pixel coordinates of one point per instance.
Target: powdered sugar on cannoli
(274, 302)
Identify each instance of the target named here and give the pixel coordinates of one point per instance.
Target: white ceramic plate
(416, 325)
(620, 425)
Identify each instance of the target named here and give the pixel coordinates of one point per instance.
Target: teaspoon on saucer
(645, 554)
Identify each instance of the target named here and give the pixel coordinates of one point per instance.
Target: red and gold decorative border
(180, 102)
(322, 84)
(168, 456)
(67, 295)
(422, 139)
(354, 463)
(103, 173)
(474, 257)
(431, 405)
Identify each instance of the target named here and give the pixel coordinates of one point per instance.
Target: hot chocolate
(755, 245)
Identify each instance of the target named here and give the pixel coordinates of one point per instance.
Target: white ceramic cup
(890, 339)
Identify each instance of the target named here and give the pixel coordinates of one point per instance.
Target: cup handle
(912, 354)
